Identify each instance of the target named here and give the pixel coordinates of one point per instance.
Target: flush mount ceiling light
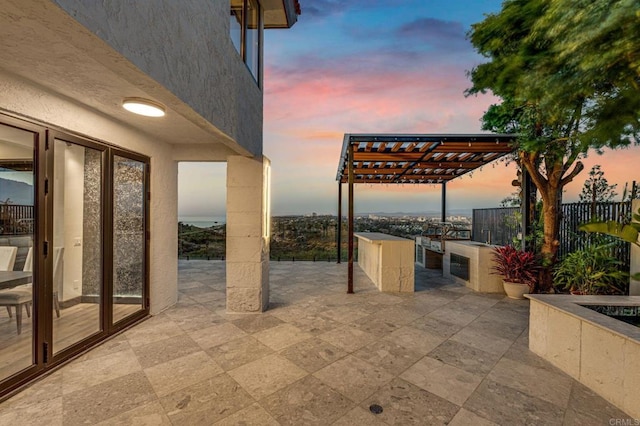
(143, 107)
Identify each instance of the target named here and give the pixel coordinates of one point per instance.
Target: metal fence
(575, 214)
(501, 225)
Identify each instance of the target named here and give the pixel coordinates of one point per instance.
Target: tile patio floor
(319, 356)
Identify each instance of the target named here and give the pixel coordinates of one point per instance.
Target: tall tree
(558, 101)
(596, 188)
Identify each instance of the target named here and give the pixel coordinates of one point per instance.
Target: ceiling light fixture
(144, 107)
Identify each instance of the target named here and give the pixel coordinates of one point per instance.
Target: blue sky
(369, 66)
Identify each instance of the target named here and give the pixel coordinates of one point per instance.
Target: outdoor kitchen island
(387, 260)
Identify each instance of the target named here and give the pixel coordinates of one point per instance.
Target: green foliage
(626, 232)
(596, 188)
(511, 200)
(598, 42)
(546, 61)
(591, 271)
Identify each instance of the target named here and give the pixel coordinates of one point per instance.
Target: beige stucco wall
(184, 46)
(25, 99)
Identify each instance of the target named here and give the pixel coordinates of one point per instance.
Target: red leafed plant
(516, 266)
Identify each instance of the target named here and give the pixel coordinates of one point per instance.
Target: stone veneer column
(247, 234)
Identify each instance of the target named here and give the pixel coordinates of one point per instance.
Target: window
(245, 32)
(252, 38)
(236, 23)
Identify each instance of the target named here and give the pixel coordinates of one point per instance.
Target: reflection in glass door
(17, 219)
(77, 243)
(128, 236)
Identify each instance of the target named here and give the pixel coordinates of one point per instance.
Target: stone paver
(442, 355)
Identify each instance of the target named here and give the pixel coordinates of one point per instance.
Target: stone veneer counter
(387, 260)
(600, 352)
(480, 256)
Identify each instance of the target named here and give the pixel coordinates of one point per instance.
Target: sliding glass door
(17, 231)
(73, 246)
(77, 249)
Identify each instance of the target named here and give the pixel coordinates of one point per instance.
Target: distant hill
(16, 192)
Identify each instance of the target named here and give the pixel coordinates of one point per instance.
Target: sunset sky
(372, 66)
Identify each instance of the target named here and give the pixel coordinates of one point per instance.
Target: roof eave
(280, 13)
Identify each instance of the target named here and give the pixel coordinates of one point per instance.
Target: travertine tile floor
(319, 356)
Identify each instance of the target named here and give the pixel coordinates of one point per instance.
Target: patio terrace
(442, 355)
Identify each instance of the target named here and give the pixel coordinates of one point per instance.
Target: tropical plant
(558, 94)
(591, 271)
(628, 232)
(516, 266)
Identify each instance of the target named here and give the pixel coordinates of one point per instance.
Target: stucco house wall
(184, 46)
(23, 98)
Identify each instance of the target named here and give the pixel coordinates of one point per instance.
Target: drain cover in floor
(375, 409)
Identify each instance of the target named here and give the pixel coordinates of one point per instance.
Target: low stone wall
(600, 352)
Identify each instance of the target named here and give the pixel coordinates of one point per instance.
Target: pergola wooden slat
(411, 159)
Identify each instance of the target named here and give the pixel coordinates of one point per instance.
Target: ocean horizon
(203, 221)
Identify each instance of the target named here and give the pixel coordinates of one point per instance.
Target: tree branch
(528, 160)
(577, 169)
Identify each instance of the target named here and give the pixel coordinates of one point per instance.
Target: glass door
(17, 232)
(77, 248)
(74, 246)
(129, 236)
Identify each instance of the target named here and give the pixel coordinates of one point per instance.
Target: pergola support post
(444, 202)
(339, 230)
(350, 219)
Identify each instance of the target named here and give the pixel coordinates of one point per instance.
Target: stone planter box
(600, 352)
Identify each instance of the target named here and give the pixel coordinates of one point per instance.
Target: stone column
(248, 219)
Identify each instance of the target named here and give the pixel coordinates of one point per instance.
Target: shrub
(516, 266)
(591, 271)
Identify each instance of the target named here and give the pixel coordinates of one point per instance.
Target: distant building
(104, 180)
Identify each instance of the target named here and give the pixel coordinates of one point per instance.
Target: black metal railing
(501, 225)
(16, 219)
(575, 214)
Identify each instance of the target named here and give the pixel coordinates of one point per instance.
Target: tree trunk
(551, 202)
(550, 188)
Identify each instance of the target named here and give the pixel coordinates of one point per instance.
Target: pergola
(410, 159)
